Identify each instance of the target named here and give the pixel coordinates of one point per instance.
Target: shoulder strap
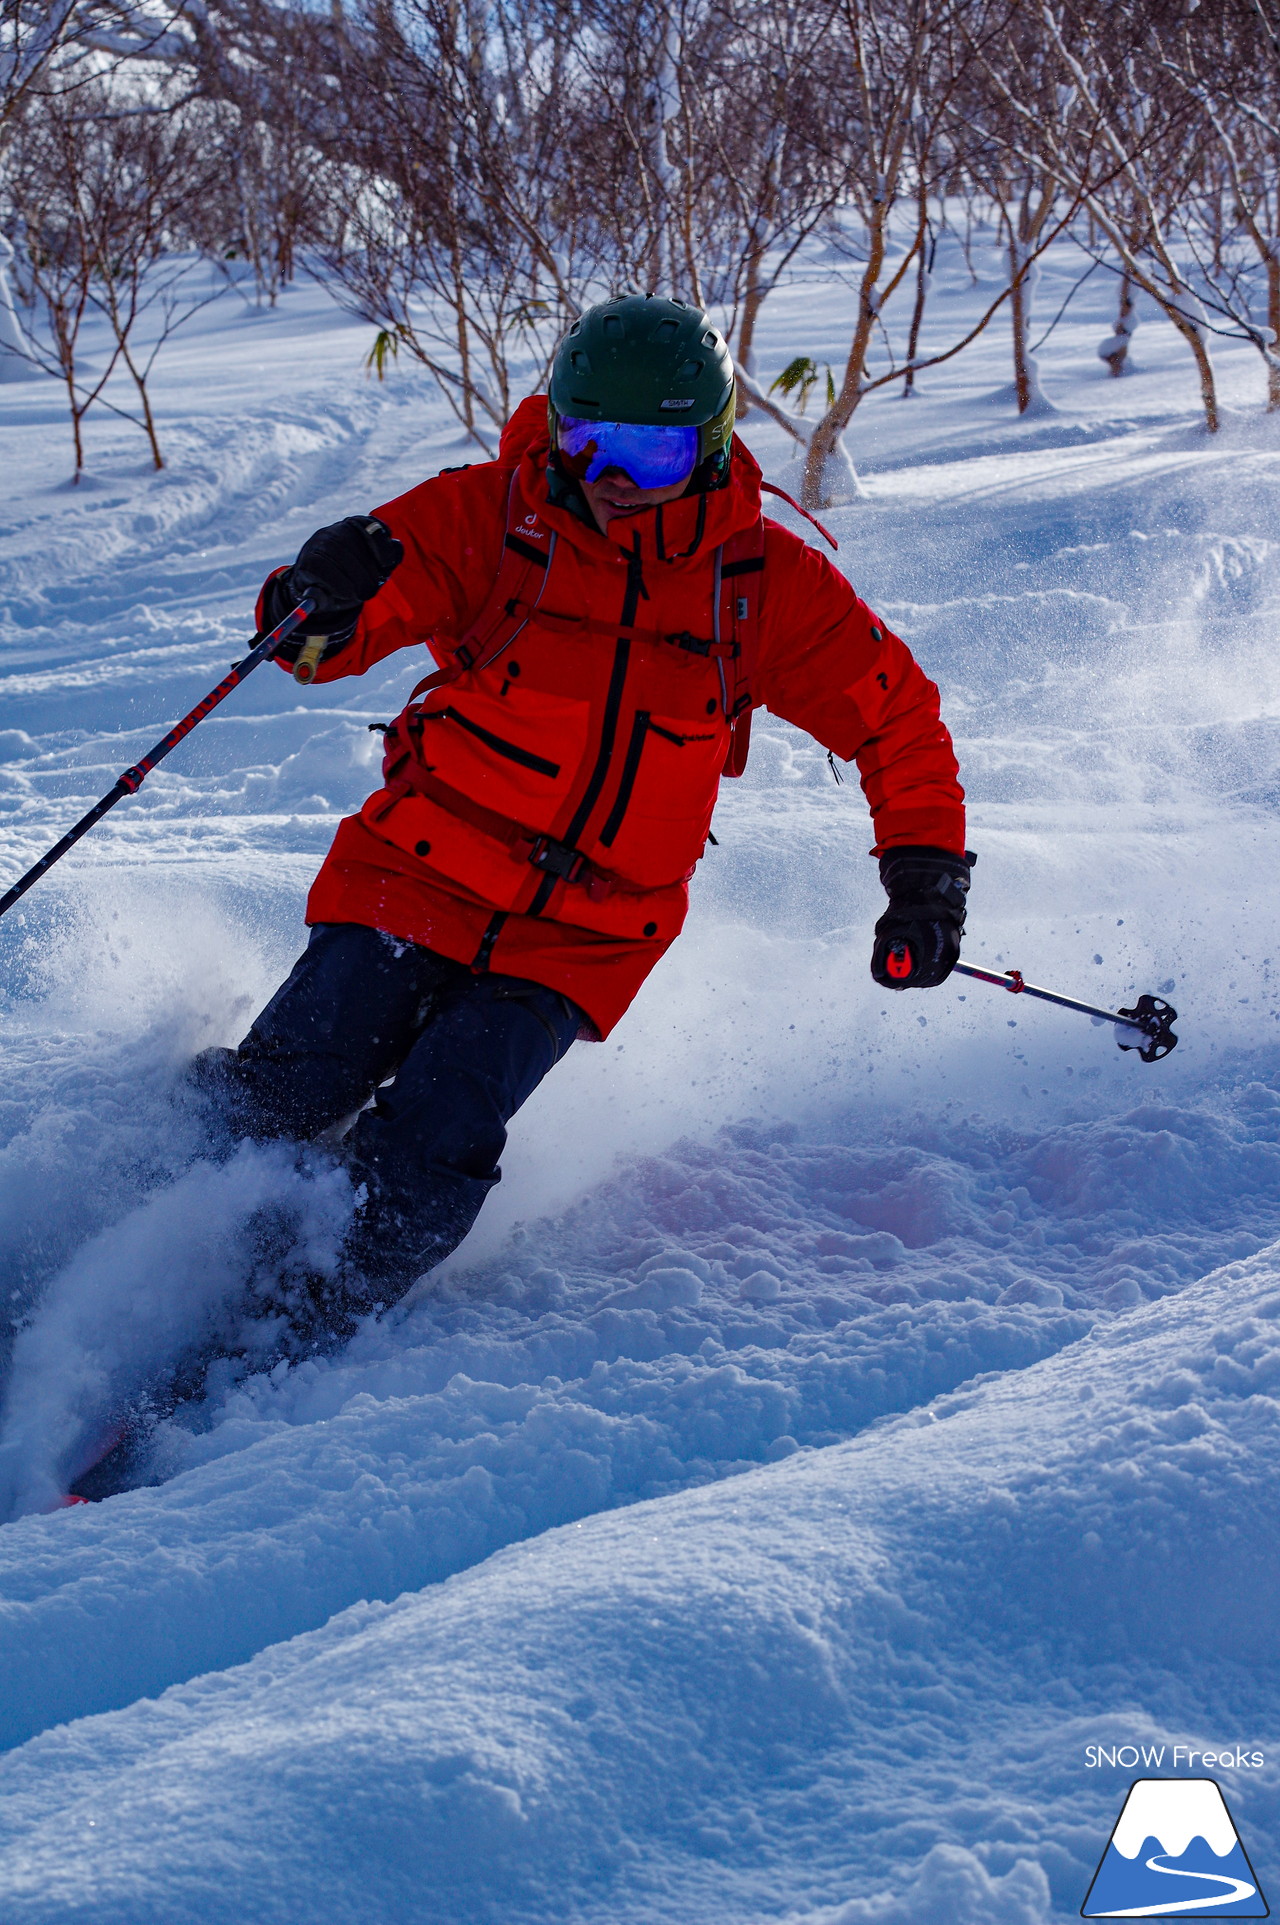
(528, 546)
(739, 582)
(782, 495)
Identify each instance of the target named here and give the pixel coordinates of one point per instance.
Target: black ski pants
(462, 1053)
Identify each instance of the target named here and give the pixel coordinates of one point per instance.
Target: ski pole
(261, 649)
(1149, 1023)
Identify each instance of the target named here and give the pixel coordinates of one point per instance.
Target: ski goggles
(650, 457)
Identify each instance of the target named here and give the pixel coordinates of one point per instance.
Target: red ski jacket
(547, 799)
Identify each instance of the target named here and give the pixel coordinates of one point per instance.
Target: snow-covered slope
(663, 1559)
(870, 1669)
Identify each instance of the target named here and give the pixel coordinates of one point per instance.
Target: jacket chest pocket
(509, 746)
(657, 822)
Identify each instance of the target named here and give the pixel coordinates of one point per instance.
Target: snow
(714, 1703)
(849, 1407)
(1174, 1816)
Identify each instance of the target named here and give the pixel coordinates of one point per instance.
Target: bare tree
(465, 175)
(58, 261)
(767, 150)
(908, 63)
(1115, 349)
(463, 222)
(32, 34)
(1026, 197)
(926, 255)
(674, 266)
(1228, 66)
(1119, 147)
(498, 169)
(51, 45)
(100, 191)
(139, 178)
(269, 76)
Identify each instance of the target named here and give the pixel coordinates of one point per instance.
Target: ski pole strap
(1151, 1018)
(262, 648)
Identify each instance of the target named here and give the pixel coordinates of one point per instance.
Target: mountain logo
(1174, 1853)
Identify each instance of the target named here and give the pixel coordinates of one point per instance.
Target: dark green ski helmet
(645, 359)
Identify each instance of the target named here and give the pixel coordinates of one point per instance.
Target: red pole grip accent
(899, 963)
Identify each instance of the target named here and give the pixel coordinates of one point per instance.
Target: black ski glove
(340, 567)
(918, 937)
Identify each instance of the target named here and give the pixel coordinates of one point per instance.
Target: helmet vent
(710, 340)
(689, 371)
(613, 326)
(666, 330)
(579, 362)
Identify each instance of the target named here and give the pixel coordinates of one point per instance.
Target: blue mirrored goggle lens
(652, 457)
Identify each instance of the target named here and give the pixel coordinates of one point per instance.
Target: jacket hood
(686, 529)
(526, 430)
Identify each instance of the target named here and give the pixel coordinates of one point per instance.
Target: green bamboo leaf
(385, 343)
(797, 378)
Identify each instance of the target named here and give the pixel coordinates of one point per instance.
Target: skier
(606, 605)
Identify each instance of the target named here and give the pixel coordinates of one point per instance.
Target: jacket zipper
(643, 726)
(537, 763)
(608, 733)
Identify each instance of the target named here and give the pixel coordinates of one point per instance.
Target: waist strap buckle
(557, 859)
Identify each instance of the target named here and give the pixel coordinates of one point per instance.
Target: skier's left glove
(918, 937)
(340, 567)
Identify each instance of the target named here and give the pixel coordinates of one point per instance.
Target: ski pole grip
(304, 669)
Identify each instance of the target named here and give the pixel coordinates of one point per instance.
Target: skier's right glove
(918, 937)
(340, 567)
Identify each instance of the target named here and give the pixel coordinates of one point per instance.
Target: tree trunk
(148, 419)
(1115, 349)
(149, 422)
(1172, 296)
(1193, 335)
(830, 478)
(15, 350)
(464, 341)
(923, 280)
(75, 424)
(663, 272)
(752, 302)
(1273, 322)
(1018, 318)
(1023, 275)
(829, 474)
(924, 274)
